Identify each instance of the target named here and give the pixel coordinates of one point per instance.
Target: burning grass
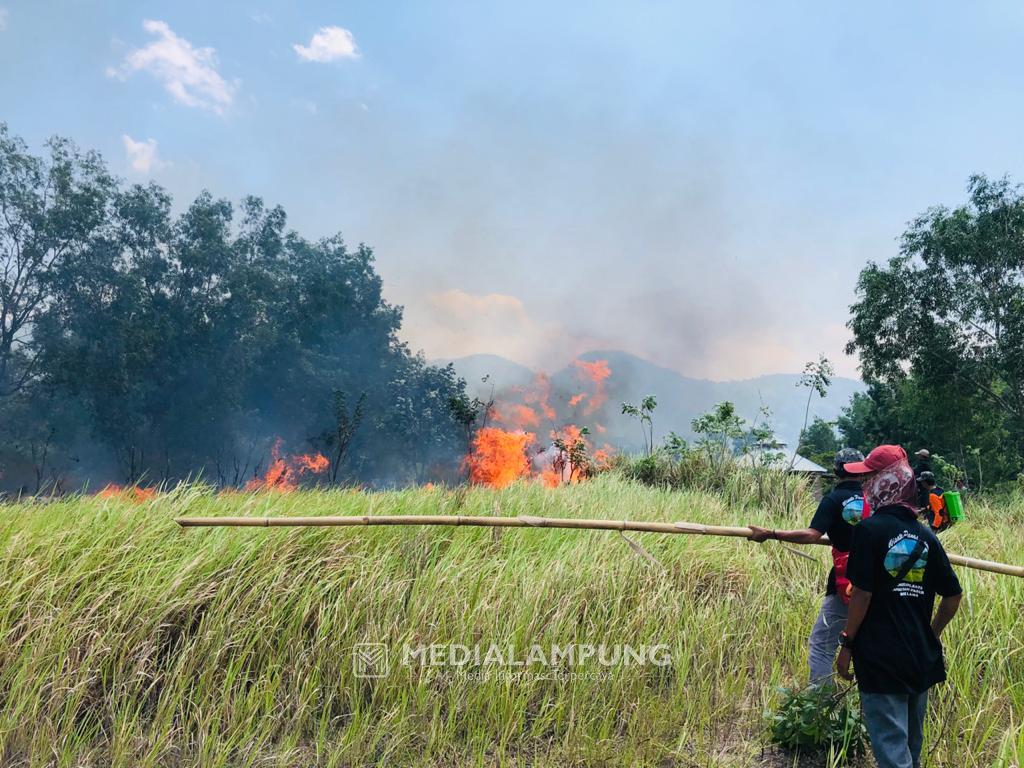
(284, 472)
(515, 449)
(129, 642)
(133, 493)
(499, 457)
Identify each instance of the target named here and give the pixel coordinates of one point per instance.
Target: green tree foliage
(54, 212)
(817, 378)
(139, 343)
(719, 429)
(940, 332)
(573, 455)
(819, 443)
(644, 414)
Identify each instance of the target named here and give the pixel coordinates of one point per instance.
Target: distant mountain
(680, 398)
(501, 373)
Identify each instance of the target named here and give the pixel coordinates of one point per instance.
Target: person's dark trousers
(895, 723)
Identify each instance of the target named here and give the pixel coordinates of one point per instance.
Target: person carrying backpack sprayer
(838, 512)
(936, 512)
(897, 566)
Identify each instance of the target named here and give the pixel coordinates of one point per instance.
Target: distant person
(896, 566)
(936, 512)
(924, 461)
(839, 510)
(922, 465)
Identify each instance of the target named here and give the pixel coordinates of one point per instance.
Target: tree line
(140, 344)
(939, 332)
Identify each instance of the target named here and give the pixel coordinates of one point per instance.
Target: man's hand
(798, 536)
(948, 606)
(843, 664)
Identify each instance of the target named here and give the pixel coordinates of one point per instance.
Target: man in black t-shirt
(836, 515)
(896, 566)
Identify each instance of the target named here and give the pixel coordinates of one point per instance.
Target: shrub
(818, 718)
(741, 485)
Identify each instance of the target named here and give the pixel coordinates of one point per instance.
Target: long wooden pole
(526, 521)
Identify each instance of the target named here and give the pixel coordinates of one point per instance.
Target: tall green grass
(130, 642)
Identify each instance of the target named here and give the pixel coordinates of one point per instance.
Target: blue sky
(695, 183)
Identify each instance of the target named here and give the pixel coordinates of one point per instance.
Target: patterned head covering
(892, 483)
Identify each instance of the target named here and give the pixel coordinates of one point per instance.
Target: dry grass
(130, 642)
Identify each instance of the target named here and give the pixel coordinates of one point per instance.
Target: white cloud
(3, 19)
(189, 74)
(329, 44)
(142, 155)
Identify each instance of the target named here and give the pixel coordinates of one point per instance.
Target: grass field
(130, 642)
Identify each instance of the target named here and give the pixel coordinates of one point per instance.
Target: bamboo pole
(527, 521)
(986, 565)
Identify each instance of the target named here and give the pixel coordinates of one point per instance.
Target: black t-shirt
(923, 465)
(895, 650)
(829, 519)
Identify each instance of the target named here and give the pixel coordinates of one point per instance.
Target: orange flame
(499, 457)
(312, 462)
(516, 416)
(596, 372)
(282, 474)
(569, 434)
(132, 493)
(603, 456)
(540, 395)
(551, 478)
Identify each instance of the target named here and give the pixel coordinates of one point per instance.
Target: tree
(53, 211)
(767, 450)
(718, 429)
(644, 413)
(572, 454)
(819, 442)
(817, 377)
(471, 413)
(940, 329)
(338, 438)
(140, 344)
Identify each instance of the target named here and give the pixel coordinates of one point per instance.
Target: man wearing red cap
(838, 512)
(896, 567)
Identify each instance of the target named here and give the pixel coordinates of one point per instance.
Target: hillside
(680, 398)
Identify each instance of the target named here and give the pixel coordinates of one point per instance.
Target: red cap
(880, 458)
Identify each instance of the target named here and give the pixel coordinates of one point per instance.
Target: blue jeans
(825, 637)
(895, 723)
